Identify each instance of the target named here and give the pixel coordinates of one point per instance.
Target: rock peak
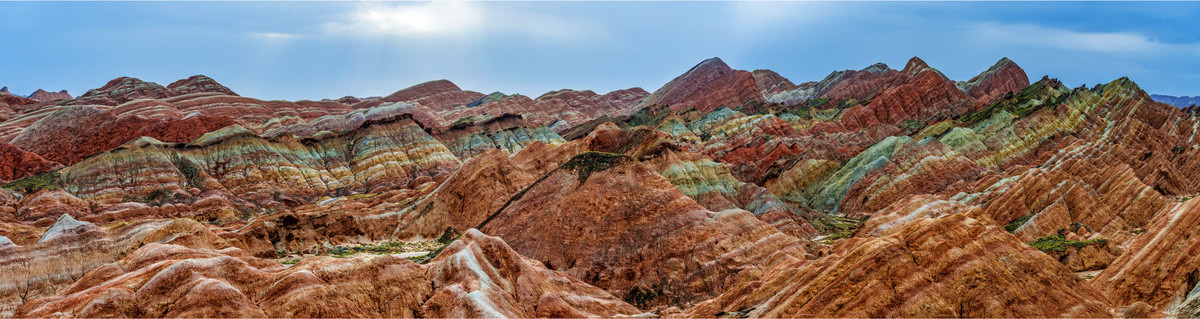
(423, 90)
(64, 224)
(877, 68)
(45, 96)
(711, 63)
(915, 65)
(197, 84)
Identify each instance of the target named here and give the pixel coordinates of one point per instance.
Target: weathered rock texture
(725, 193)
(476, 276)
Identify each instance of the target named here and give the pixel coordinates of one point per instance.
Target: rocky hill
(723, 194)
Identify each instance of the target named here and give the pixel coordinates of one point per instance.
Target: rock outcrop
(16, 163)
(43, 96)
(198, 84)
(648, 252)
(707, 86)
(1002, 78)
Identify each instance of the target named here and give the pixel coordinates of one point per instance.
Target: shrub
(1017, 223)
(47, 180)
(1059, 243)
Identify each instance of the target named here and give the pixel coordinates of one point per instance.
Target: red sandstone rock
(198, 84)
(76, 132)
(647, 252)
(121, 90)
(1002, 78)
(476, 276)
(925, 264)
(707, 86)
(16, 163)
(437, 95)
(43, 96)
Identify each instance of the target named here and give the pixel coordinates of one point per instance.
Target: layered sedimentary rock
(9, 100)
(43, 96)
(1002, 78)
(506, 132)
(477, 276)
(75, 132)
(198, 84)
(121, 90)
(927, 263)
(385, 153)
(878, 192)
(16, 163)
(1160, 268)
(924, 97)
(566, 106)
(648, 222)
(707, 86)
(437, 95)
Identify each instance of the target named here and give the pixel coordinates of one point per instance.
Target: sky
(317, 50)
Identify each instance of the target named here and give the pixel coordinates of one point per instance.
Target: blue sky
(314, 50)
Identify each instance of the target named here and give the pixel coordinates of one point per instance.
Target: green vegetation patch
(836, 227)
(1017, 223)
(190, 171)
(427, 257)
(1059, 243)
(47, 180)
(911, 126)
(388, 248)
(587, 163)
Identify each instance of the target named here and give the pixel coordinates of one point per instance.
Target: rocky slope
(725, 193)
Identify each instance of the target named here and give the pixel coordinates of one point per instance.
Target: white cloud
(1102, 42)
(457, 19)
(273, 35)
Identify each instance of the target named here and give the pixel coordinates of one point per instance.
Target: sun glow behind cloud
(456, 19)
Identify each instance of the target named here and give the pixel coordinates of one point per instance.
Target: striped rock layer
(877, 192)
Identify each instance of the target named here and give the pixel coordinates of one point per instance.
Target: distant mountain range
(41, 95)
(1180, 101)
